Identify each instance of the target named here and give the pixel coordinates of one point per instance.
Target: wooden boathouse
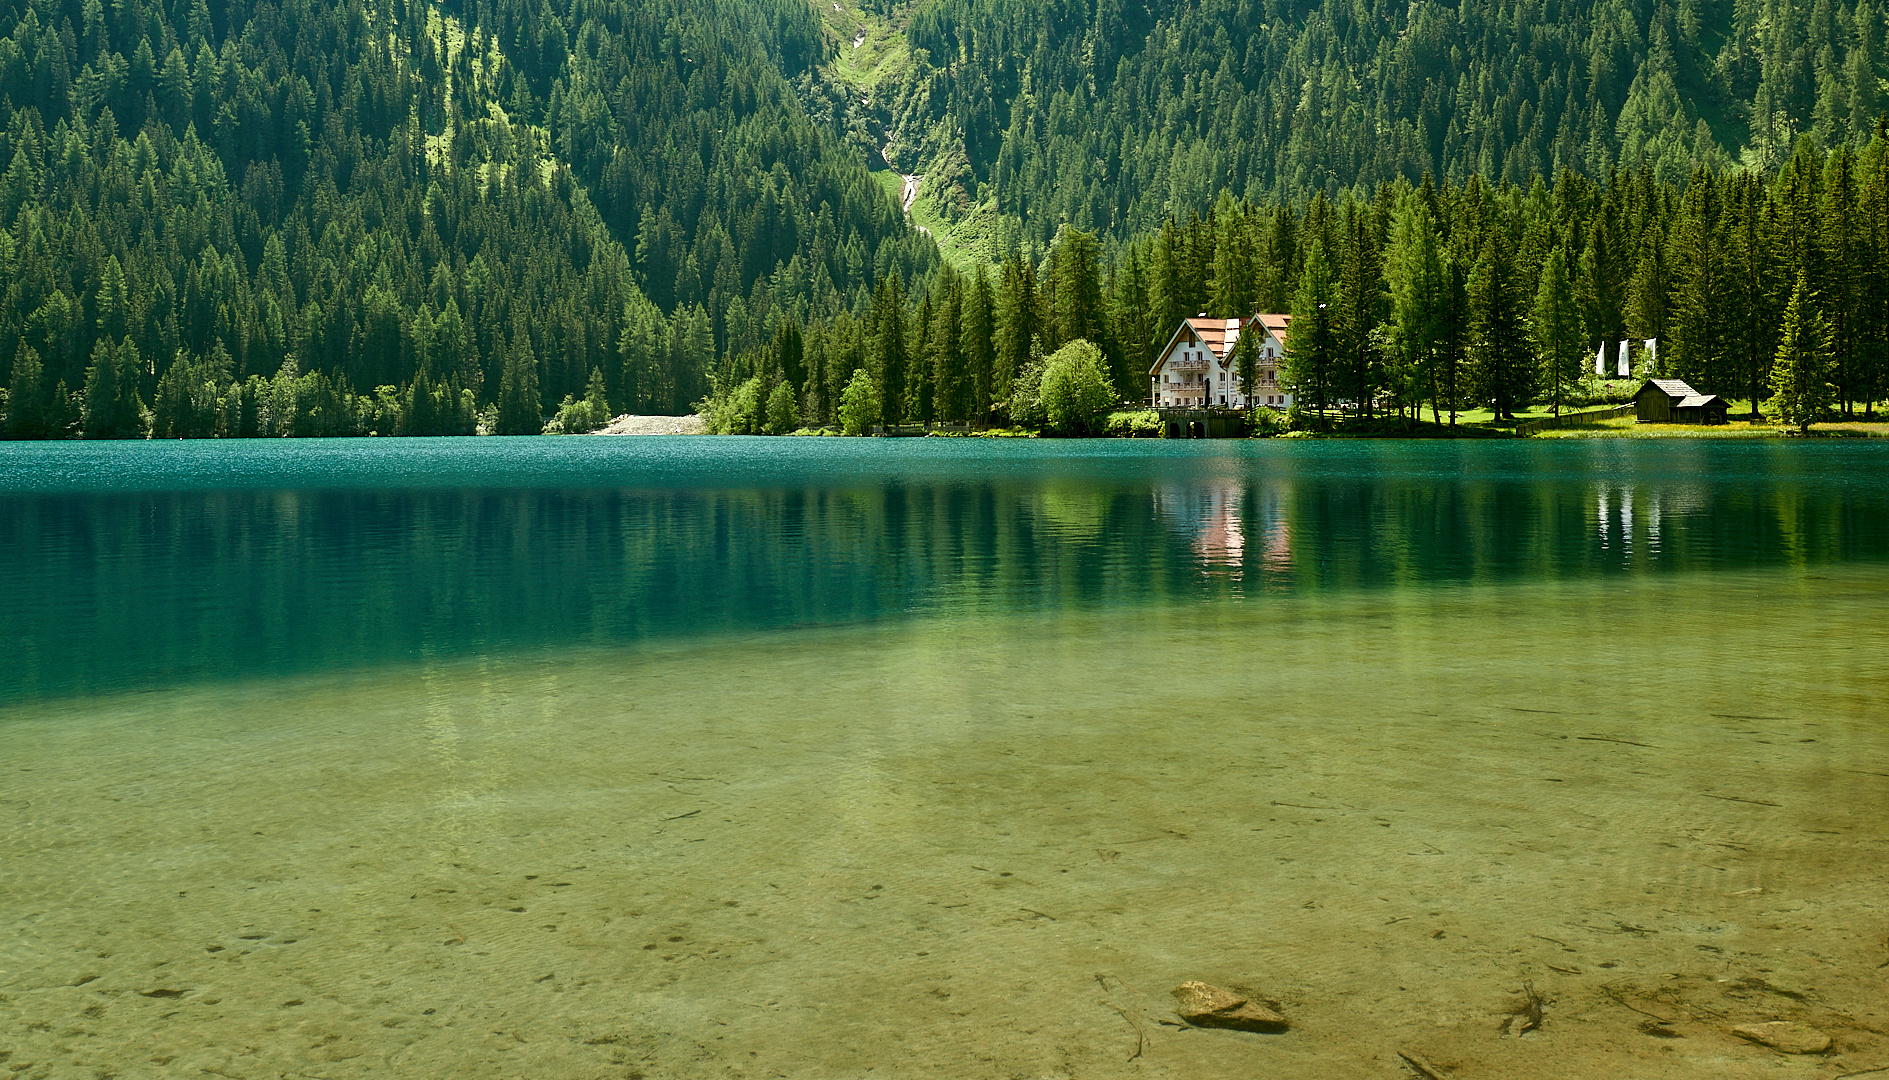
(1671, 401)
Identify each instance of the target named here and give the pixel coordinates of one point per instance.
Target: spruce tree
(1018, 323)
(1505, 371)
(1800, 375)
(950, 387)
(1307, 367)
(1414, 265)
(113, 409)
(1554, 326)
(790, 349)
(890, 350)
(1358, 294)
(1076, 289)
(520, 410)
(979, 357)
(1234, 266)
(29, 398)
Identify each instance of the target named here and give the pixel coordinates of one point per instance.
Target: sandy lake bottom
(987, 846)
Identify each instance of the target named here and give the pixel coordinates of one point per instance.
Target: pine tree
(783, 416)
(1358, 296)
(1075, 289)
(950, 386)
(1800, 375)
(1019, 323)
(1414, 265)
(1307, 369)
(1504, 366)
(979, 357)
(1555, 328)
(113, 409)
(891, 354)
(520, 410)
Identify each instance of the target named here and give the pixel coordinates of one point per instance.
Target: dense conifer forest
(1414, 297)
(271, 217)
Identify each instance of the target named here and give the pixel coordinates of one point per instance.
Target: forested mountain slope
(1113, 115)
(291, 217)
(481, 200)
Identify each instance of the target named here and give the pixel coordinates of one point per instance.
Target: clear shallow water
(138, 565)
(756, 757)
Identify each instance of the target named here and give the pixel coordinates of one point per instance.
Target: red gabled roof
(1275, 323)
(1217, 334)
(1220, 335)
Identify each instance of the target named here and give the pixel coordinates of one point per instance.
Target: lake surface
(677, 757)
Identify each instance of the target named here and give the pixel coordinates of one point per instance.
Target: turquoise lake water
(713, 756)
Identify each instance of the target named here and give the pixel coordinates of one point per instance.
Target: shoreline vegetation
(1145, 424)
(1432, 302)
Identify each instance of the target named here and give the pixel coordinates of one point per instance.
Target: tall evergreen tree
(1019, 323)
(1414, 264)
(1504, 364)
(520, 410)
(1801, 391)
(1357, 308)
(977, 348)
(113, 407)
(30, 411)
(891, 350)
(1554, 325)
(1309, 366)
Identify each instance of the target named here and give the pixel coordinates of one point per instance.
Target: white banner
(1623, 360)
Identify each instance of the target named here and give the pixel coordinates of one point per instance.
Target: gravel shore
(653, 425)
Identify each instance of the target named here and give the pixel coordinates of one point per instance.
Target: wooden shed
(1671, 401)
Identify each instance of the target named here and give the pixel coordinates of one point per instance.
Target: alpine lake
(724, 757)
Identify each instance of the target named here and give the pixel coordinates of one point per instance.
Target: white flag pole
(1623, 360)
(1652, 352)
(1600, 359)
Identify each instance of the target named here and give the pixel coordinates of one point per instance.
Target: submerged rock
(1787, 1035)
(1209, 1006)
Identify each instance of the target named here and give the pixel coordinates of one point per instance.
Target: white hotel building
(1196, 369)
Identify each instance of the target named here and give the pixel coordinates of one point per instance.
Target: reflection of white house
(1196, 368)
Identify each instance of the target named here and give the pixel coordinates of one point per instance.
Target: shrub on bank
(1133, 424)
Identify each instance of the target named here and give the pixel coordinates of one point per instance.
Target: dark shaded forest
(298, 218)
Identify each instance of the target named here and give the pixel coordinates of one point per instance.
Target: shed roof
(1672, 388)
(1694, 401)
